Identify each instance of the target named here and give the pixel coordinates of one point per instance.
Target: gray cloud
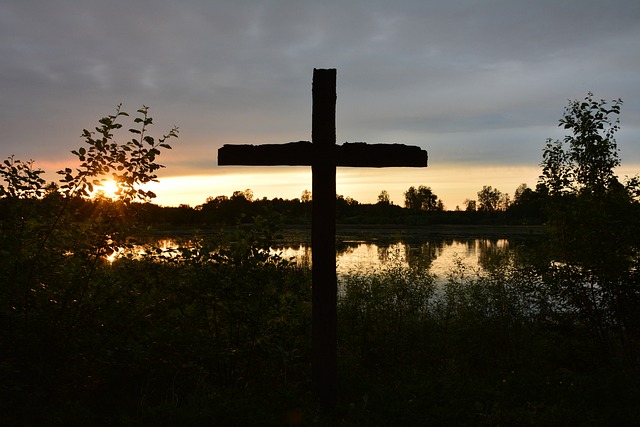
(474, 81)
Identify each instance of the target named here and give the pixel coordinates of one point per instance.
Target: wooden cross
(323, 155)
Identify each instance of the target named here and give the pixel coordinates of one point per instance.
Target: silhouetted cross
(323, 155)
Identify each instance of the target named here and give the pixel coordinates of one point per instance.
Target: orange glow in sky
(452, 184)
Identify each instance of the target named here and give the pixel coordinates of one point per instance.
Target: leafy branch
(23, 181)
(131, 164)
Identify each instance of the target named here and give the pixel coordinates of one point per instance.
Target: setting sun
(107, 188)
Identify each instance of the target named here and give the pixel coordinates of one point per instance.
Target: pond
(367, 249)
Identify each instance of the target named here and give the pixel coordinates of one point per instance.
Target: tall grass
(492, 346)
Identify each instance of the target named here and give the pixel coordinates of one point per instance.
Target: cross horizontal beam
(301, 153)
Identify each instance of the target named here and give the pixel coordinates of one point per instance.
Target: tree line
(421, 206)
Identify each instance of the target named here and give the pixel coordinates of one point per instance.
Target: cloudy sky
(479, 84)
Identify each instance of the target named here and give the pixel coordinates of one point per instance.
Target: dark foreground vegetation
(219, 333)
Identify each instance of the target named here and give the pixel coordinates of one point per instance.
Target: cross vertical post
(323, 231)
(323, 155)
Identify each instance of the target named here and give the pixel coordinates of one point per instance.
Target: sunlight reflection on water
(438, 256)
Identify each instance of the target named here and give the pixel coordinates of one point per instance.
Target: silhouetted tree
(491, 199)
(421, 199)
(470, 205)
(383, 197)
(527, 206)
(591, 154)
(592, 217)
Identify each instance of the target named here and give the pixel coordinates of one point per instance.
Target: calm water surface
(438, 255)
